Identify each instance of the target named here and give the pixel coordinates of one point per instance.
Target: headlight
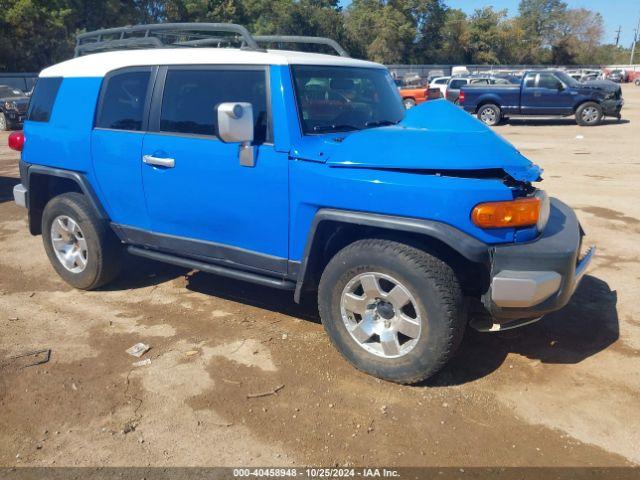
(10, 105)
(545, 210)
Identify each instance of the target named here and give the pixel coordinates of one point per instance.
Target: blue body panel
(410, 170)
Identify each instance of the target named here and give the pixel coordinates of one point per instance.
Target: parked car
(618, 76)
(301, 172)
(13, 107)
(440, 83)
(544, 93)
(455, 83)
(21, 81)
(415, 96)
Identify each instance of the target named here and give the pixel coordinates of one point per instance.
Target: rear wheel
(408, 103)
(490, 114)
(392, 310)
(82, 248)
(589, 114)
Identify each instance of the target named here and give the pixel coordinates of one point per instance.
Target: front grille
(22, 107)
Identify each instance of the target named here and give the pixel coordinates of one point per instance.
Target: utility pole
(618, 35)
(635, 39)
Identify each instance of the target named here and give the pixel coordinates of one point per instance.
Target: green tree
(379, 30)
(485, 35)
(540, 20)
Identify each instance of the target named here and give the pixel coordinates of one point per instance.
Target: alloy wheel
(69, 244)
(381, 315)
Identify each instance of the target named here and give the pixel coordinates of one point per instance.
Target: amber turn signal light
(522, 212)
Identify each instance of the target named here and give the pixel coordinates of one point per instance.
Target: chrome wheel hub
(488, 116)
(69, 244)
(590, 114)
(381, 315)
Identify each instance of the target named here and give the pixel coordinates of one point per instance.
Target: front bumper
(532, 279)
(612, 108)
(14, 117)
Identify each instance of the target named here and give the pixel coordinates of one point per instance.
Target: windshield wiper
(335, 128)
(380, 123)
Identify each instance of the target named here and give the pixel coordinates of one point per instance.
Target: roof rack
(186, 35)
(149, 36)
(302, 39)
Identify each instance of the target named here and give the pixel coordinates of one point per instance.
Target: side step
(264, 280)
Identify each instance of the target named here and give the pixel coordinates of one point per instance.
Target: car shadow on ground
(550, 122)
(586, 326)
(6, 188)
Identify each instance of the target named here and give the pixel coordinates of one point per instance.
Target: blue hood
(436, 135)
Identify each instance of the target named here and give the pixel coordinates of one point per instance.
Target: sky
(616, 13)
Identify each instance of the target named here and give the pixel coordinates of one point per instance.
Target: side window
(530, 81)
(191, 96)
(548, 80)
(456, 84)
(480, 81)
(43, 98)
(123, 100)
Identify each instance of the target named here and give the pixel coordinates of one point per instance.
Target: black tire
(490, 114)
(637, 82)
(408, 103)
(104, 250)
(589, 114)
(4, 123)
(430, 281)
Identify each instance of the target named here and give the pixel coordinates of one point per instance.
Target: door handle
(159, 162)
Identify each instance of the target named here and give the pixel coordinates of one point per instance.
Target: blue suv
(298, 171)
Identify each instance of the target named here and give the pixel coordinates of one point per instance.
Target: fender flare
(463, 243)
(27, 170)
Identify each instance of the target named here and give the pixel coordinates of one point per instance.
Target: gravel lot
(564, 391)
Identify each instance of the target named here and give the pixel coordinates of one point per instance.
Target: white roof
(99, 64)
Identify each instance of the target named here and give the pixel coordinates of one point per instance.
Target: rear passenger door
(116, 143)
(206, 204)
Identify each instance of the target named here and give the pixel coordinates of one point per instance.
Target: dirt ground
(562, 392)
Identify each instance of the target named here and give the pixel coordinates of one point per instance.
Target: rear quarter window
(43, 99)
(123, 100)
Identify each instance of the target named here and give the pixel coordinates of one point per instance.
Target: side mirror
(560, 87)
(235, 125)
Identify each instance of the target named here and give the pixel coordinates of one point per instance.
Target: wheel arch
(582, 101)
(44, 183)
(486, 100)
(333, 230)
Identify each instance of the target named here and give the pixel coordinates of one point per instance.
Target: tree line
(37, 33)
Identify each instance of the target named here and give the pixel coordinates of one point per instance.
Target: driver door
(201, 201)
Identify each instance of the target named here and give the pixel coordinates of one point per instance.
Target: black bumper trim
(556, 250)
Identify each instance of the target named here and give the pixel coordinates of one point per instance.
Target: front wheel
(4, 125)
(409, 103)
(490, 115)
(82, 248)
(589, 114)
(392, 310)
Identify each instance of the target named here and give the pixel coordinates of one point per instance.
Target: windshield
(567, 79)
(340, 99)
(10, 92)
